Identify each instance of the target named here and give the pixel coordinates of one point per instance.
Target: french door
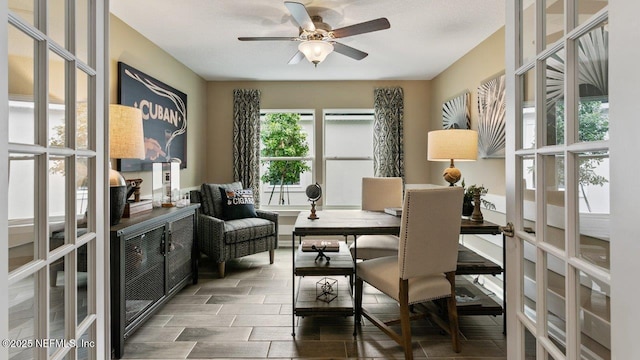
(52, 163)
(558, 171)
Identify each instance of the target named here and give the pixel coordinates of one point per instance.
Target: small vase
(467, 208)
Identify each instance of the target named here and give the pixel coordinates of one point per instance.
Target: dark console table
(151, 260)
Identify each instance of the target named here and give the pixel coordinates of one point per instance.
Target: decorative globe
(314, 192)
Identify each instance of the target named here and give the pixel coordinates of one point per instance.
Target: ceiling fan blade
(361, 28)
(296, 58)
(268, 38)
(349, 51)
(300, 15)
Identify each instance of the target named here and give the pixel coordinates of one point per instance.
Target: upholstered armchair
(224, 240)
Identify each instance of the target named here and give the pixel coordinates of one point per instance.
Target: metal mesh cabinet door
(144, 271)
(179, 250)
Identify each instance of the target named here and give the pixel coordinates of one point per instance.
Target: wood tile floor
(247, 315)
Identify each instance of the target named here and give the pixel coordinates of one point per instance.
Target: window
(348, 155)
(286, 156)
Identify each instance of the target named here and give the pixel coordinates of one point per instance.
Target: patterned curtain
(388, 138)
(246, 140)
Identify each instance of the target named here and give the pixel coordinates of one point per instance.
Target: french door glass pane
(529, 280)
(82, 192)
(83, 272)
(57, 201)
(554, 21)
(24, 9)
(554, 200)
(527, 31)
(88, 350)
(82, 30)
(21, 207)
(344, 181)
(555, 293)
(586, 8)
(82, 98)
(529, 191)
(57, 91)
(529, 345)
(555, 105)
(57, 20)
(593, 217)
(56, 300)
(594, 318)
(23, 307)
(527, 106)
(21, 87)
(593, 85)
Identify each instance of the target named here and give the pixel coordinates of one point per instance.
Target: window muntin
(44, 91)
(563, 141)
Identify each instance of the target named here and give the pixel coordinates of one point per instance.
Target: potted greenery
(468, 200)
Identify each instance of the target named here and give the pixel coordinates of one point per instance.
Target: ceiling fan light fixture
(315, 50)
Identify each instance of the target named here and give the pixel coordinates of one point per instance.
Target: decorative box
(327, 289)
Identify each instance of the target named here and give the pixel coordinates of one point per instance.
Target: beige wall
(482, 63)
(130, 47)
(210, 107)
(316, 95)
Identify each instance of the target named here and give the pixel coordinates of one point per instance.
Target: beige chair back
(381, 192)
(429, 231)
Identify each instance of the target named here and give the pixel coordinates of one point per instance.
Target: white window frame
(306, 115)
(365, 114)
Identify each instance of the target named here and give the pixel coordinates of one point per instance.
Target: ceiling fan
(317, 39)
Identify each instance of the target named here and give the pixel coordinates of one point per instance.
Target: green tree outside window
(282, 136)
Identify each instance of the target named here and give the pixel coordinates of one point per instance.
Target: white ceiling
(426, 36)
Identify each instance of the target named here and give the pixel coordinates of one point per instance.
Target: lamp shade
(453, 144)
(315, 50)
(126, 137)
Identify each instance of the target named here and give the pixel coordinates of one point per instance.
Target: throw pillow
(237, 204)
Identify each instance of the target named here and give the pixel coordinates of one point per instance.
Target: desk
(362, 222)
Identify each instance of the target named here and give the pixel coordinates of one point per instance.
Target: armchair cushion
(237, 204)
(239, 230)
(211, 198)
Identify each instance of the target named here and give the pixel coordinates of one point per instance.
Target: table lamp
(126, 141)
(450, 145)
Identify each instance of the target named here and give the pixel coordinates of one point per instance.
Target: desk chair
(424, 268)
(378, 193)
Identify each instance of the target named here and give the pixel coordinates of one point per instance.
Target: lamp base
(117, 201)
(451, 175)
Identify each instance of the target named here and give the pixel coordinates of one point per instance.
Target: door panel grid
(52, 211)
(562, 230)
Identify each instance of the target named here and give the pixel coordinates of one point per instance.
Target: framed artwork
(164, 118)
(491, 118)
(455, 113)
